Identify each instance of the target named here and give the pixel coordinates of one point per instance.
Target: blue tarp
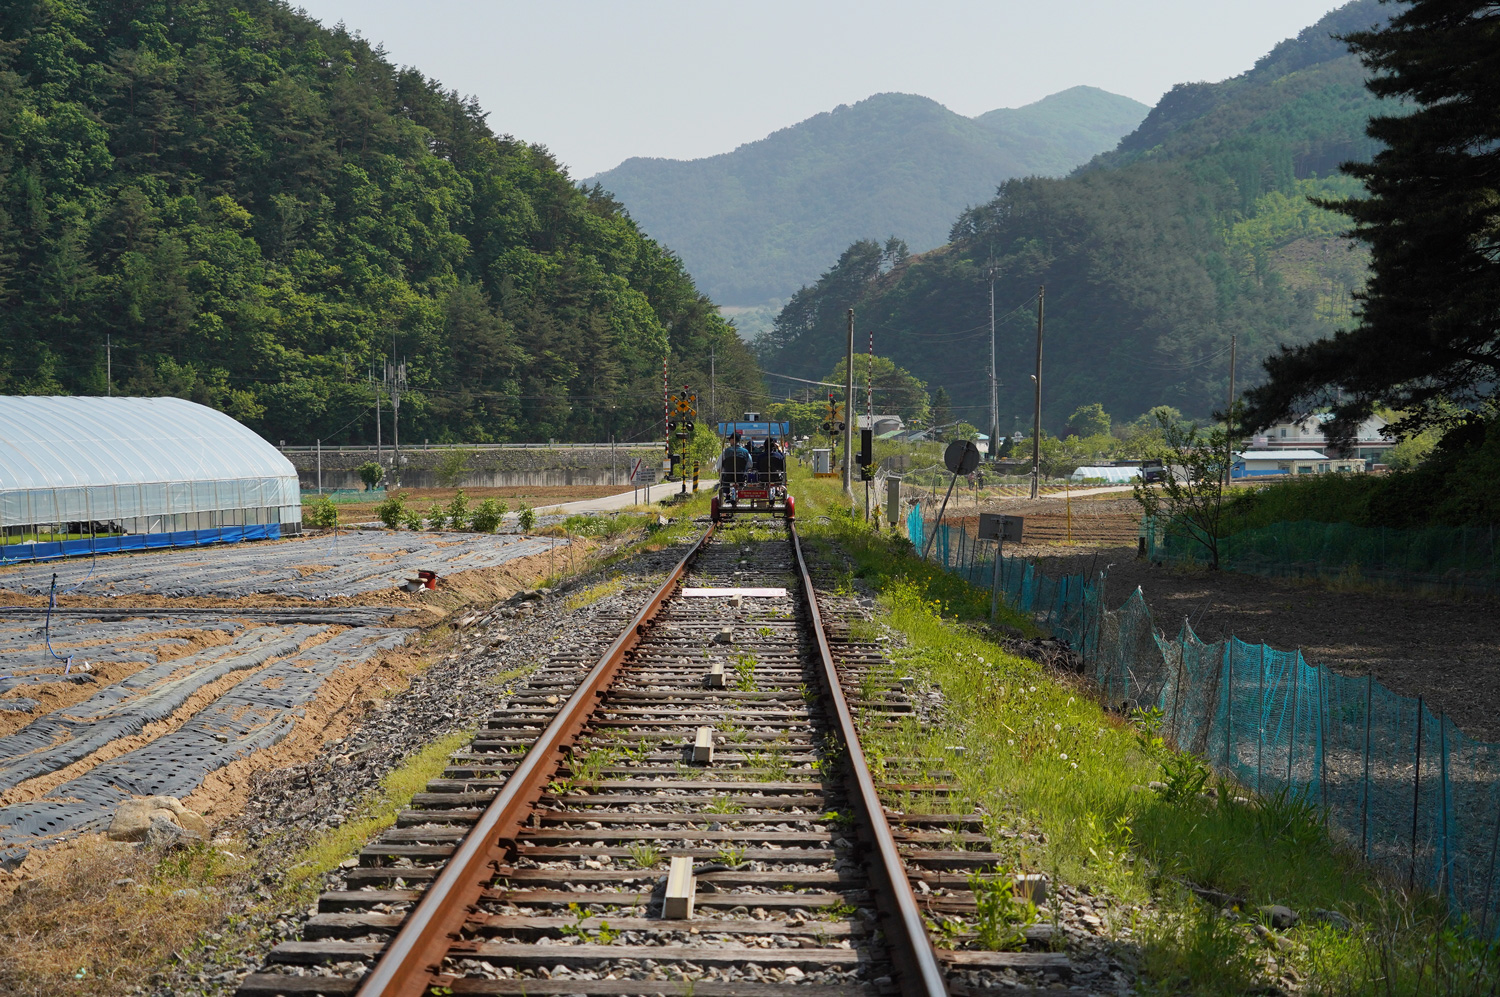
(51, 550)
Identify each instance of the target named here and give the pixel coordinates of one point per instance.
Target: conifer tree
(1428, 337)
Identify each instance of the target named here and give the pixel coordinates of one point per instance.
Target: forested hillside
(759, 222)
(257, 209)
(1196, 228)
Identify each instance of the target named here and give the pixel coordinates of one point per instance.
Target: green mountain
(757, 223)
(1196, 228)
(255, 210)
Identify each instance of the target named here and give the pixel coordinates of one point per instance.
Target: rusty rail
(412, 962)
(911, 948)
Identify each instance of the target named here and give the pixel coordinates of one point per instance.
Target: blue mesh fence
(1395, 780)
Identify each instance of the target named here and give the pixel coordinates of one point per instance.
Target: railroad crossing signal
(680, 423)
(685, 411)
(834, 424)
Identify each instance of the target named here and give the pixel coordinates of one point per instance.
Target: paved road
(621, 501)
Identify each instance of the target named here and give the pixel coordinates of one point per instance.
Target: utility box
(893, 501)
(822, 461)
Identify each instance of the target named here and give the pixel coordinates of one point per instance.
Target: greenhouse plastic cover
(1113, 475)
(69, 459)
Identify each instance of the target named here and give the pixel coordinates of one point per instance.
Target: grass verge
(1187, 866)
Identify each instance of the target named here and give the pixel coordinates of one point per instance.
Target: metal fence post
(1416, 797)
(1489, 878)
(1226, 664)
(995, 586)
(1260, 744)
(1291, 740)
(1364, 820)
(1323, 741)
(1447, 883)
(1177, 685)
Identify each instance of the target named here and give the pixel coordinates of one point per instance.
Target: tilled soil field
(180, 672)
(1445, 650)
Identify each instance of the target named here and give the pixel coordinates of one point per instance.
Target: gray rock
(1332, 918)
(133, 818)
(1279, 916)
(165, 835)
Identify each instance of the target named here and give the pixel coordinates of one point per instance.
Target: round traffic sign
(962, 456)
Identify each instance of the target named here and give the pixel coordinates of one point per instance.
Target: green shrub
(602, 526)
(392, 512)
(458, 511)
(411, 519)
(527, 518)
(322, 514)
(487, 517)
(437, 516)
(371, 474)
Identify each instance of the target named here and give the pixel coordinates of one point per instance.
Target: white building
(882, 423)
(1370, 440)
(1263, 463)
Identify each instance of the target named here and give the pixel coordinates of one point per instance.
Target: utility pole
(849, 412)
(395, 379)
(377, 418)
(1229, 412)
(994, 384)
(109, 375)
(1036, 425)
(869, 414)
(713, 391)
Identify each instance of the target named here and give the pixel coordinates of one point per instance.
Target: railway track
(691, 814)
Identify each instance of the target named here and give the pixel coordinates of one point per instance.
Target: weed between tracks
(1067, 781)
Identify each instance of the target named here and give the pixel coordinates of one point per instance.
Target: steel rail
(911, 947)
(413, 961)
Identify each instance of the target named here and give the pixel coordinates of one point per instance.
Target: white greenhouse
(79, 475)
(1108, 473)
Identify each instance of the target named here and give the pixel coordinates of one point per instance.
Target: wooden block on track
(715, 677)
(682, 887)
(703, 746)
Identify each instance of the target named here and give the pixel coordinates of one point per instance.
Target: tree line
(256, 212)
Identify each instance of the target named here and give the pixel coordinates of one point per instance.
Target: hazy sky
(598, 82)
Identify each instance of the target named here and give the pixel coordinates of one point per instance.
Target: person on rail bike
(735, 460)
